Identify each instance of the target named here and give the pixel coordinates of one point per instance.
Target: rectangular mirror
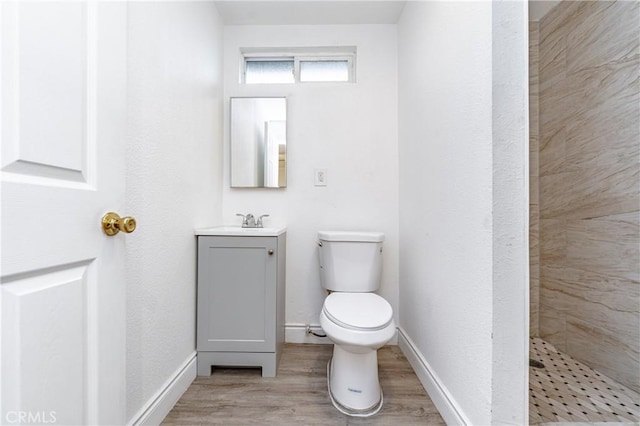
(258, 142)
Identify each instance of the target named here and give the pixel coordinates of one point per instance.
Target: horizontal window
(298, 66)
(269, 71)
(327, 70)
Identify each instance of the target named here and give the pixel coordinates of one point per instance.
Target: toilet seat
(358, 311)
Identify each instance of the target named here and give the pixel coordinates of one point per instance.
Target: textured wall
(445, 195)
(510, 198)
(534, 211)
(463, 264)
(350, 130)
(173, 181)
(589, 62)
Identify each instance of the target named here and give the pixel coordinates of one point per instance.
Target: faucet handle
(244, 219)
(259, 222)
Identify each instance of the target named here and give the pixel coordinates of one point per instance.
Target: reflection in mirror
(258, 142)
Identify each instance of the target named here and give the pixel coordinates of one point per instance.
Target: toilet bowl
(356, 320)
(358, 324)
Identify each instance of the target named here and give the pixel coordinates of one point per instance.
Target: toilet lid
(358, 311)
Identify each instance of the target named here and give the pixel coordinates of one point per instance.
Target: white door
(63, 83)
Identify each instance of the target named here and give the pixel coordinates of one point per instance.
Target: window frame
(266, 56)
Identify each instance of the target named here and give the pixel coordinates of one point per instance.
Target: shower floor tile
(566, 390)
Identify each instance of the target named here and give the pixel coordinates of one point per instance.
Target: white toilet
(356, 320)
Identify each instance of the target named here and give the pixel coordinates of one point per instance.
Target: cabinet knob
(270, 252)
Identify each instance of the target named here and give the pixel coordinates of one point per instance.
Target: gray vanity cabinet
(241, 297)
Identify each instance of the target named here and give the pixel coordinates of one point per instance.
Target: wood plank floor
(298, 395)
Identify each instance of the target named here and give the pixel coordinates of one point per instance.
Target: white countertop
(237, 231)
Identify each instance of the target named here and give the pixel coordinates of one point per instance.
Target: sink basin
(237, 231)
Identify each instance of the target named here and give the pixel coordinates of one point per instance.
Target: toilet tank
(350, 261)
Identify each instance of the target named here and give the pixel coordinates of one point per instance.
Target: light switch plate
(320, 177)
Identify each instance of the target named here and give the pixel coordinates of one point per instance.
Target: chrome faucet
(259, 222)
(249, 221)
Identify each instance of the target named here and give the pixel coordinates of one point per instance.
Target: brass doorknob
(112, 223)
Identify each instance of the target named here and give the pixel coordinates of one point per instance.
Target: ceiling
(313, 12)
(330, 12)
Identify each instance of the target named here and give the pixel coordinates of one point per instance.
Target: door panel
(62, 295)
(237, 294)
(49, 91)
(57, 299)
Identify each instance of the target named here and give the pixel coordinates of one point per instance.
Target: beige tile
(595, 291)
(557, 103)
(552, 62)
(534, 102)
(534, 162)
(605, 131)
(595, 299)
(559, 17)
(603, 32)
(534, 299)
(552, 325)
(553, 151)
(613, 85)
(553, 242)
(534, 270)
(609, 355)
(534, 31)
(588, 111)
(534, 249)
(607, 245)
(534, 41)
(533, 192)
(590, 193)
(534, 148)
(552, 56)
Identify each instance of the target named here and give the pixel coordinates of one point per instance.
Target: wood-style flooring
(298, 395)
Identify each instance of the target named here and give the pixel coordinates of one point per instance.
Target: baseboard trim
(159, 405)
(297, 333)
(444, 402)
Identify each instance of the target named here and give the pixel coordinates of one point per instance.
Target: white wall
(447, 204)
(173, 182)
(349, 129)
(510, 335)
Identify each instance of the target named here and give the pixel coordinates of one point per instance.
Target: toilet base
(352, 380)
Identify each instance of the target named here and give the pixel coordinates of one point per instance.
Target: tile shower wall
(589, 189)
(534, 211)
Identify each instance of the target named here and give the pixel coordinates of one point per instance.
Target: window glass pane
(280, 71)
(324, 70)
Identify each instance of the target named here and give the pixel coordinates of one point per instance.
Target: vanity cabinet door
(237, 294)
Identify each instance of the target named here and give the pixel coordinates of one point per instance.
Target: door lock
(112, 223)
